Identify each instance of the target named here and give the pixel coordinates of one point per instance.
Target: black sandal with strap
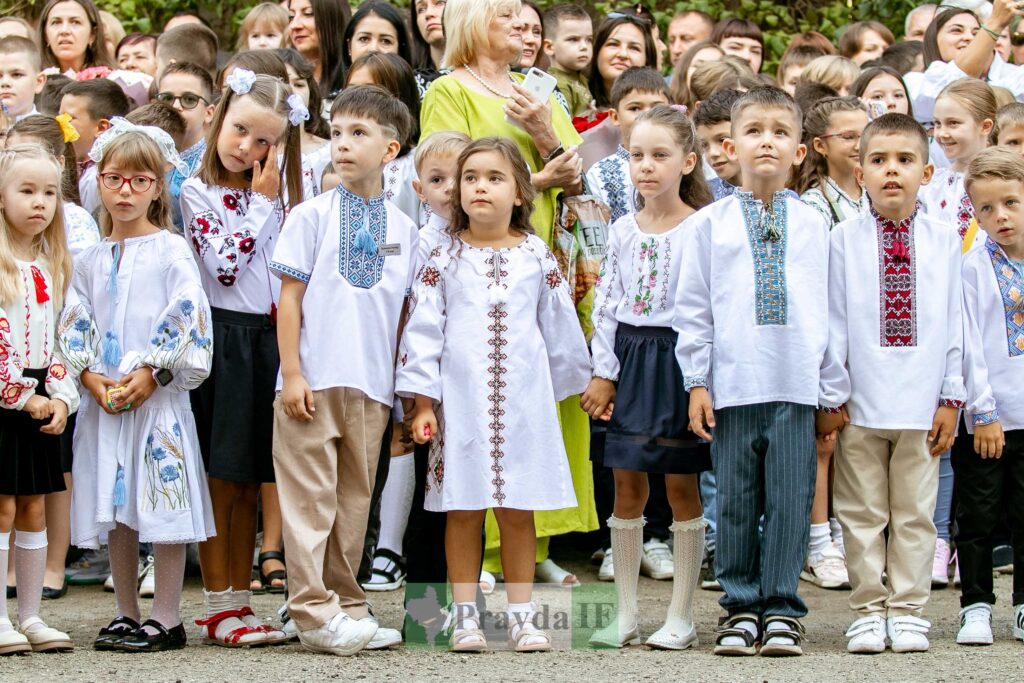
(268, 579)
(790, 628)
(729, 628)
(394, 576)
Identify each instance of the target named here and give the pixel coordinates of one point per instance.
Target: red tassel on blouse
(40, 282)
(899, 251)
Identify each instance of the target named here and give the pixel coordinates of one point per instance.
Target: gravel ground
(86, 609)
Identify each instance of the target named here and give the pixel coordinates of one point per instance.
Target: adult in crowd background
(316, 31)
(71, 36)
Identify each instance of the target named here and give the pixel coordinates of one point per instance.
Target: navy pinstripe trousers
(765, 463)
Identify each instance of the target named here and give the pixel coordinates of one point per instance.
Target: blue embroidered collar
(622, 153)
(771, 223)
(347, 196)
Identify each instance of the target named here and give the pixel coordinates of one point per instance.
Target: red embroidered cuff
(951, 403)
(826, 409)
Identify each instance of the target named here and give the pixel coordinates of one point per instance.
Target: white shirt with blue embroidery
(81, 229)
(752, 301)
(994, 337)
(609, 180)
(637, 285)
(354, 288)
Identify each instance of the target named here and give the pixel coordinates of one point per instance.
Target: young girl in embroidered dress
(141, 339)
(634, 358)
(493, 324)
(965, 113)
(36, 392)
(233, 212)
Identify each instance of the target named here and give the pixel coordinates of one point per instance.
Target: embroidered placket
(766, 233)
(363, 226)
(614, 181)
(1010, 281)
(897, 284)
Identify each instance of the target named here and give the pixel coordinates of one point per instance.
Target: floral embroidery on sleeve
(553, 278)
(223, 251)
(430, 276)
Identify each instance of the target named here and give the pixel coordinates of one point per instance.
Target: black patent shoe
(164, 639)
(55, 593)
(111, 636)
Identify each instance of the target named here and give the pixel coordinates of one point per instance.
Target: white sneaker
(147, 580)
(908, 634)
(108, 585)
(656, 560)
(1018, 621)
(607, 570)
(288, 624)
(828, 570)
(975, 625)
(384, 637)
(940, 564)
(343, 636)
(867, 636)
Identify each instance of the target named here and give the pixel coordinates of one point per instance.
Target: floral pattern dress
(494, 339)
(139, 303)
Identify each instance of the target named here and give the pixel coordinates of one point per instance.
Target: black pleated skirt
(30, 461)
(234, 407)
(648, 430)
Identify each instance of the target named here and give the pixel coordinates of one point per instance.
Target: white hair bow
(240, 81)
(297, 111)
(119, 126)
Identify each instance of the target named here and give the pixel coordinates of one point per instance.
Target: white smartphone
(540, 85)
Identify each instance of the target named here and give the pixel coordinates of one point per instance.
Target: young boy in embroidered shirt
(751, 298)
(712, 122)
(21, 77)
(346, 263)
(570, 47)
(635, 91)
(990, 481)
(894, 372)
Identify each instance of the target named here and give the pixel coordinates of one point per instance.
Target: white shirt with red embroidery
(895, 349)
(27, 329)
(946, 199)
(232, 233)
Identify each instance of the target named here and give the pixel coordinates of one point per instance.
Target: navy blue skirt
(30, 461)
(648, 430)
(234, 407)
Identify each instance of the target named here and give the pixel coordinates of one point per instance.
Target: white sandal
(468, 638)
(519, 638)
(46, 639)
(12, 642)
(487, 582)
(549, 572)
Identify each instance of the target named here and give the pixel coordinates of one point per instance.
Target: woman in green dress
(482, 96)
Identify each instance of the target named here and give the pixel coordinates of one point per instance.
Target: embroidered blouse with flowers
(751, 300)
(636, 285)
(356, 258)
(994, 337)
(493, 337)
(140, 303)
(609, 181)
(432, 233)
(232, 232)
(27, 328)
(834, 205)
(895, 321)
(946, 199)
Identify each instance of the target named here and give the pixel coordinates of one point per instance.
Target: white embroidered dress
(637, 286)
(493, 337)
(148, 457)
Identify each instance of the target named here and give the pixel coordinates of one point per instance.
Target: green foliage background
(779, 20)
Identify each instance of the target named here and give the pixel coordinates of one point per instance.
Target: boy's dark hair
(717, 108)
(189, 43)
(638, 78)
(11, 45)
(377, 104)
(767, 97)
(106, 99)
(895, 124)
(901, 56)
(48, 99)
(807, 94)
(190, 69)
(559, 13)
(162, 116)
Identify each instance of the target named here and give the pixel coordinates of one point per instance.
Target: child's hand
(599, 399)
(38, 407)
(702, 415)
(59, 419)
(989, 440)
(139, 385)
(943, 429)
(826, 422)
(267, 180)
(424, 425)
(825, 444)
(97, 385)
(297, 398)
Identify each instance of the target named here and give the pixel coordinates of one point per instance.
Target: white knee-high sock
(396, 503)
(5, 550)
(123, 542)
(29, 568)
(627, 546)
(687, 554)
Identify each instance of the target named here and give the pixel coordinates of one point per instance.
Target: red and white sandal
(242, 636)
(275, 636)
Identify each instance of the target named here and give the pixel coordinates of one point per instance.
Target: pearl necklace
(484, 83)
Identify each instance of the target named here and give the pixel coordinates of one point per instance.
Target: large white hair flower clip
(297, 111)
(241, 81)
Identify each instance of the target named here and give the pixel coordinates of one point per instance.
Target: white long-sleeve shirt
(993, 338)
(636, 286)
(895, 349)
(751, 312)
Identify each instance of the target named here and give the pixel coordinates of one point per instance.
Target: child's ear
(986, 126)
(926, 177)
(549, 48)
(818, 146)
(613, 116)
(858, 174)
(40, 82)
(418, 189)
(394, 147)
(208, 118)
(691, 161)
(801, 152)
(102, 125)
(729, 147)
